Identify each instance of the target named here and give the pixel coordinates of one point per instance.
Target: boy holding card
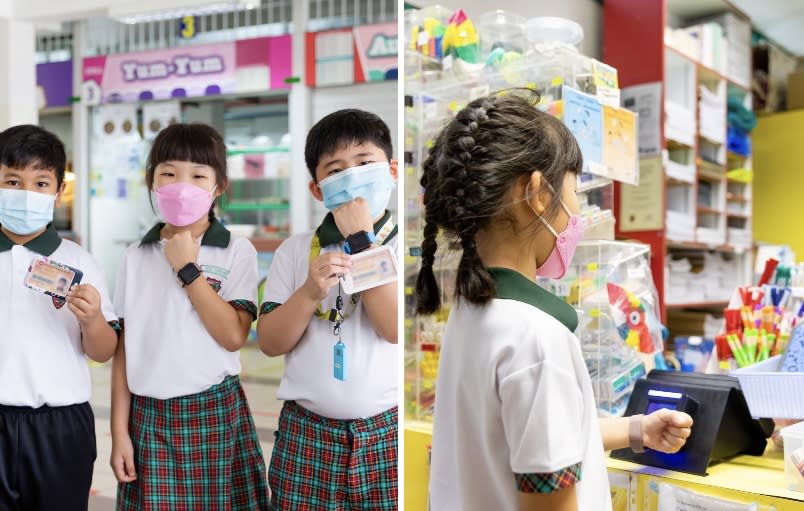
(336, 447)
(47, 429)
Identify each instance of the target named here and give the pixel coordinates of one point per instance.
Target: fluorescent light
(147, 11)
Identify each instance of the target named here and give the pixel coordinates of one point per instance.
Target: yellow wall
(779, 180)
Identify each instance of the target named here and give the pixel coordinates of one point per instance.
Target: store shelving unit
(432, 98)
(705, 210)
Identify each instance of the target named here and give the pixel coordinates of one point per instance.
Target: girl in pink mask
(182, 433)
(516, 424)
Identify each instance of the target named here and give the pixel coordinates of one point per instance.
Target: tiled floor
(260, 378)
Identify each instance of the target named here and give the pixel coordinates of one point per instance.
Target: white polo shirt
(514, 404)
(42, 361)
(370, 387)
(169, 352)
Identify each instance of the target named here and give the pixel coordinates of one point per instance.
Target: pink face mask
(557, 263)
(182, 204)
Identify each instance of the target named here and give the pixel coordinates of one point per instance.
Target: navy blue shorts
(46, 457)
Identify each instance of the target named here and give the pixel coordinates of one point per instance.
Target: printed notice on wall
(646, 100)
(642, 206)
(672, 498)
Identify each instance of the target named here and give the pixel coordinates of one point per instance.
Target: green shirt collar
(513, 285)
(44, 244)
(216, 236)
(328, 233)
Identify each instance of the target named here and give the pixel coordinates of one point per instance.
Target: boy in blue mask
(336, 447)
(47, 429)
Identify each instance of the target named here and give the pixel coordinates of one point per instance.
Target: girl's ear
(222, 187)
(538, 195)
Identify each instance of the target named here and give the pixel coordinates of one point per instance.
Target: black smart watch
(358, 242)
(188, 274)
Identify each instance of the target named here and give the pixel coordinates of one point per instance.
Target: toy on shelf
(630, 315)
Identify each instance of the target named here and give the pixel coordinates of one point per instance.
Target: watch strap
(635, 433)
(358, 242)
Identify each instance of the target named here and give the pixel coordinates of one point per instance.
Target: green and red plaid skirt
(195, 453)
(322, 464)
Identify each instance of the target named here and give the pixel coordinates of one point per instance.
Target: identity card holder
(370, 269)
(51, 278)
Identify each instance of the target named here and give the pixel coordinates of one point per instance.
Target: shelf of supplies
(705, 71)
(731, 155)
(710, 171)
(699, 305)
(736, 198)
(595, 182)
(694, 245)
(257, 150)
(708, 211)
(675, 144)
(738, 215)
(678, 182)
(255, 206)
(713, 142)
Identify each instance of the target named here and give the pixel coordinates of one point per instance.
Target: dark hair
(342, 128)
(477, 157)
(27, 144)
(195, 142)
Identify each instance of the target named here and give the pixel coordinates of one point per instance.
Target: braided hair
(476, 159)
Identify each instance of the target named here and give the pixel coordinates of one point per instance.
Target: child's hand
(323, 274)
(122, 460)
(353, 217)
(181, 249)
(666, 430)
(85, 303)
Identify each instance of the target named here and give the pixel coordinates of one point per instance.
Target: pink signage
(191, 71)
(376, 47)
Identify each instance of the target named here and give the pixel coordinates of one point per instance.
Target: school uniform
(47, 430)
(515, 411)
(195, 443)
(336, 447)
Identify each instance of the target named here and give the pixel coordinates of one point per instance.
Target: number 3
(188, 29)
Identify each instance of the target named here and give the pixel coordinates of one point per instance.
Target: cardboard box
(795, 90)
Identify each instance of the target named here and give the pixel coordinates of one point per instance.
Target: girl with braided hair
(516, 424)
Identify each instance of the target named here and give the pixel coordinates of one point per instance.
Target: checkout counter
(727, 464)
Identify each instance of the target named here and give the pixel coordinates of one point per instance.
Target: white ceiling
(781, 21)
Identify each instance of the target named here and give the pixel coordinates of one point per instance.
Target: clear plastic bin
(501, 29)
(794, 455)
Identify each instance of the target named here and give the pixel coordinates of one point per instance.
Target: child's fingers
(75, 309)
(119, 470)
(130, 470)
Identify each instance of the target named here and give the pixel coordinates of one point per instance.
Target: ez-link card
(51, 278)
(370, 269)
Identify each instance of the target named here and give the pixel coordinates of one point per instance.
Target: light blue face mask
(373, 182)
(23, 212)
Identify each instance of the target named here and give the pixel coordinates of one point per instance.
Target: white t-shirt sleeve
(280, 284)
(240, 288)
(120, 287)
(542, 413)
(94, 276)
